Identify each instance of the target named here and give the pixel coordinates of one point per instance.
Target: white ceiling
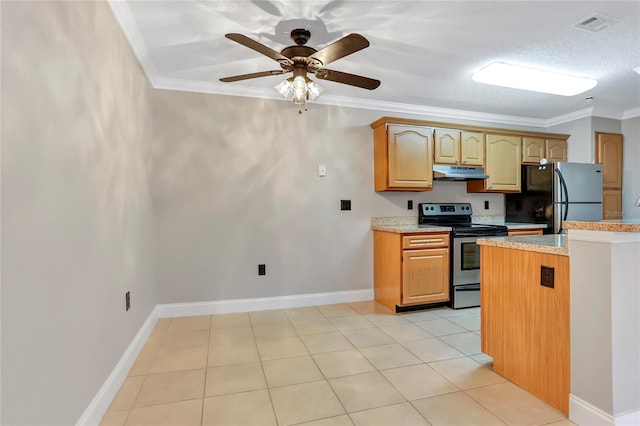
(424, 52)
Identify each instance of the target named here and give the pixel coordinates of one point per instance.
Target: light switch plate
(322, 170)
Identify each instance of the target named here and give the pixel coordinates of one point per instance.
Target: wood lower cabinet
(502, 164)
(403, 158)
(410, 269)
(524, 325)
(520, 232)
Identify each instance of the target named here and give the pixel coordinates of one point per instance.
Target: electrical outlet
(262, 269)
(486, 205)
(345, 204)
(127, 301)
(546, 276)
(410, 204)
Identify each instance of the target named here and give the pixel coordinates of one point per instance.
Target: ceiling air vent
(595, 23)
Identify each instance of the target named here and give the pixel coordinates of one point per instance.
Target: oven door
(465, 268)
(465, 273)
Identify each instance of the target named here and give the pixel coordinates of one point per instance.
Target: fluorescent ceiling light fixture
(525, 78)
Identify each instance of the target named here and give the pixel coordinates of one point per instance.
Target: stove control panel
(445, 209)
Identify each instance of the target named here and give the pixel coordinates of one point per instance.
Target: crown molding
(572, 116)
(631, 113)
(343, 101)
(124, 17)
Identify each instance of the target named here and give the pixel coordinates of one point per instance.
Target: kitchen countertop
(409, 224)
(617, 225)
(551, 244)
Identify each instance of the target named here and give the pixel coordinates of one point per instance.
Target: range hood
(441, 172)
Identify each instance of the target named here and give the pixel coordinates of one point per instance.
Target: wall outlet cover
(345, 204)
(547, 276)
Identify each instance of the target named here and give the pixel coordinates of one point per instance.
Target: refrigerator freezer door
(584, 182)
(582, 212)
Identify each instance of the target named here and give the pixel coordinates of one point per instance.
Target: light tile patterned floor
(346, 364)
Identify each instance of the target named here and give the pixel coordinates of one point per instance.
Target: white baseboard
(584, 414)
(100, 403)
(628, 419)
(262, 303)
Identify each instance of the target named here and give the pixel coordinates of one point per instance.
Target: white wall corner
(584, 414)
(100, 403)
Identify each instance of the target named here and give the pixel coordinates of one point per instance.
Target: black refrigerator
(555, 192)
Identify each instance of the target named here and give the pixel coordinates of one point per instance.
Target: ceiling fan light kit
(536, 80)
(301, 60)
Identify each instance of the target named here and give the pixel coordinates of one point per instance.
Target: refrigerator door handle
(563, 184)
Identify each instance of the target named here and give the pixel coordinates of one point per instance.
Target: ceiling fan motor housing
(300, 36)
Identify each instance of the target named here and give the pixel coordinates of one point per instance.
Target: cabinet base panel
(408, 308)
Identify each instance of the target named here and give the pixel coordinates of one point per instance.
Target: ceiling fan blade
(258, 47)
(341, 48)
(252, 75)
(346, 78)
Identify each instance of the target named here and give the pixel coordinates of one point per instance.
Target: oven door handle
(472, 287)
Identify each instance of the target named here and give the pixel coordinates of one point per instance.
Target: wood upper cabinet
(534, 149)
(502, 164)
(446, 146)
(403, 157)
(458, 148)
(556, 150)
(472, 148)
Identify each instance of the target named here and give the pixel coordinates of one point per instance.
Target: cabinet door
(472, 149)
(410, 158)
(425, 276)
(533, 149)
(503, 163)
(556, 150)
(611, 204)
(609, 153)
(446, 146)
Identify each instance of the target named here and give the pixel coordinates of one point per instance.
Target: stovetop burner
(456, 216)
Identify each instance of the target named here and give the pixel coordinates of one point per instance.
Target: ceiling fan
(301, 60)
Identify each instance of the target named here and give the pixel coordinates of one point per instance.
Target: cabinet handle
(464, 162)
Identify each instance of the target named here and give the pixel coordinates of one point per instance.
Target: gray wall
(236, 184)
(76, 207)
(580, 143)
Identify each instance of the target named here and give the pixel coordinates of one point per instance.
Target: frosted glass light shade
(525, 78)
